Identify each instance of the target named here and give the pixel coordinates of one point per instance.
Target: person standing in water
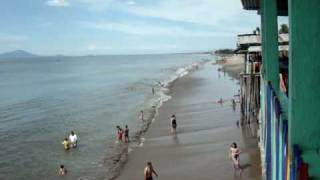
(173, 124)
(66, 144)
(119, 133)
(153, 91)
(62, 170)
(73, 139)
(234, 153)
(149, 171)
(126, 134)
(141, 115)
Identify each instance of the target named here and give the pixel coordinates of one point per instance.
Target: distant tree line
(224, 51)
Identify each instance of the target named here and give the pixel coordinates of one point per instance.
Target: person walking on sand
(119, 133)
(62, 170)
(141, 115)
(73, 139)
(234, 105)
(234, 154)
(173, 124)
(149, 171)
(126, 134)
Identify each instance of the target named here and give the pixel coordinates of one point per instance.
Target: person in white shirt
(73, 139)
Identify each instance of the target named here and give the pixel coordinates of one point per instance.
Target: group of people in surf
(123, 134)
(68, 143)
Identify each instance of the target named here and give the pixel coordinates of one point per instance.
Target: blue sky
(80, 27)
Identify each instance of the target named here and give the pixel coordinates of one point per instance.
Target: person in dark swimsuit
(126, 134)
(173, 124)
(141, 115)
(148, 171)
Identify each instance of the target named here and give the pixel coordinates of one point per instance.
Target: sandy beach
(205, 131)
(232, 64)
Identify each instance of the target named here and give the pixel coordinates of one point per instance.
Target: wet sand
(205, 130)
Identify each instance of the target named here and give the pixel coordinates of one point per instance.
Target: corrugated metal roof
(255, 5)
(251, 4)
(258, 48)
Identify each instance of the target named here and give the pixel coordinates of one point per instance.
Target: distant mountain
(17, 54)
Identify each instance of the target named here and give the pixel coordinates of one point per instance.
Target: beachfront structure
(250, 46)
(250, 78)
(290, 122)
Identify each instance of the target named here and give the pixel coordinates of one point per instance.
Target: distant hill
(17, 54)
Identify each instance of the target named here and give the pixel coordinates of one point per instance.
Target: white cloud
(147, 29)
(191, 11)
(206, 12)
(96, 5)
(12, 37)
(92, 47)
(131, 3)
(57, 3)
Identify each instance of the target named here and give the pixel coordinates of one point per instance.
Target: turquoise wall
(269, 35)
(304, 85)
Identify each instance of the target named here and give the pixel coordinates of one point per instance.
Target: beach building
(249, 45)
(250, 78)
(289, 115)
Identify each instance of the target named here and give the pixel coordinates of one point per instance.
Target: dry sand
(232, 64)
(205, 130)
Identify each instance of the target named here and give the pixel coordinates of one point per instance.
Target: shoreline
(160, 147)
(116, 160)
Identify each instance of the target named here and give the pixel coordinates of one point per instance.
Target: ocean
(43, 98)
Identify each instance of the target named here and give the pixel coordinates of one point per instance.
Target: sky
(82, 27)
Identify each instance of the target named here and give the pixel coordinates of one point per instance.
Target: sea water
(43, 98)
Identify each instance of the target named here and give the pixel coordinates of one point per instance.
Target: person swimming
(220, 101)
